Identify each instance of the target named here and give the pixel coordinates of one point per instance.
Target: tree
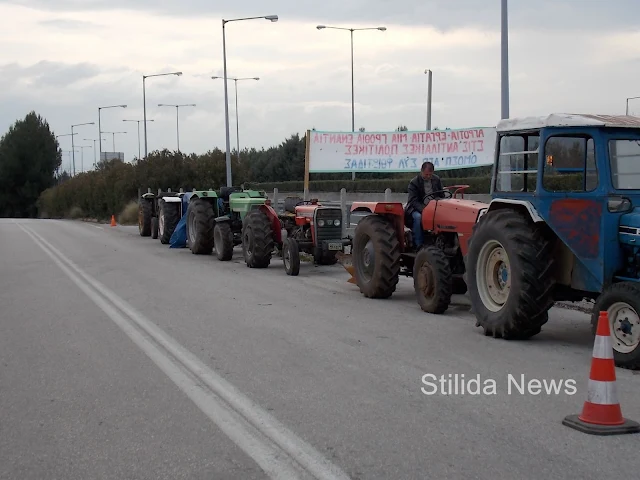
(29, 158)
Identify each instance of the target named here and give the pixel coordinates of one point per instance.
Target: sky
(66, 58)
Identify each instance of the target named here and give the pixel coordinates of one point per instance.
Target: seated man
(423, 184)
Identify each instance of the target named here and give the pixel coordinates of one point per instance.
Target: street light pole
(429, 84)
(630, 98)
(235, 79)
(505, 60)
(73, 150)
(144, 103)
(99, 128)
(271, 18)
(94, 148)
(353, 102)
(177, 117)
(113, 138)
(82, 147)
(138, 121)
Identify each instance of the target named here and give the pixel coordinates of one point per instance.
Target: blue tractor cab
(563, 225)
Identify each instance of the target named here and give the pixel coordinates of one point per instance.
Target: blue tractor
(563, 225)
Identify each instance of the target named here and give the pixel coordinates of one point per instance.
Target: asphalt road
(123, 358)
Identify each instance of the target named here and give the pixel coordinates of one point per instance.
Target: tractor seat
(226, 191)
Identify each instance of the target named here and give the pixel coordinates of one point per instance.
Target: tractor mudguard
(276, 226)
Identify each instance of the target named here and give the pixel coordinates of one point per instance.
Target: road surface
(123, 358)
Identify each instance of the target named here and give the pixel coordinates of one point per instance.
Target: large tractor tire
(168, 219)
(145, 214)
(200, 223)
(621, 301)
(376, 257)
(509, 275)
(154, 227)
(223, 241)
(432, 280)
(257, 240)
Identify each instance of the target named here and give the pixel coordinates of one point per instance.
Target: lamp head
(256, 78)
(272, 18)
(382, 29)
(320, 27)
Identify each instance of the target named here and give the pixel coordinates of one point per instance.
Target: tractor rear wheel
(432, 280)
(257, 240)
(291, 257)
(168, 219)
(621, 301)
(223, 241)
(508, 272)
(376, 257)
(200, 222)
(144, 217)
(154, 227)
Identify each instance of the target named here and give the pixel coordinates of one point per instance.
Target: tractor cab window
(517, 163)
(570, 164)
(624, 156)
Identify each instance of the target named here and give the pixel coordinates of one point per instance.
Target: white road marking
(96, 226)
(278, 451)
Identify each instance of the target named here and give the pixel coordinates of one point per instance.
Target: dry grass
(129, 215)
(75, 213)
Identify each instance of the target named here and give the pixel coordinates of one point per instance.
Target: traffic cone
(113, 221)
(601, 413)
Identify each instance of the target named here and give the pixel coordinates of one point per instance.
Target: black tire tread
(387, 247)
(526, 310)
(171, 219)
(205, 220)
(263, 243)
(292, 245)
(444, 286)
(224, 251)
(144, 226)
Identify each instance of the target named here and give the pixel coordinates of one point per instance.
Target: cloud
(74, 61)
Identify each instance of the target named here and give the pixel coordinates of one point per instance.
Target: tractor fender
(393, 211)
(171, 199)
(522, 205)
(223, 218)
(276, 226)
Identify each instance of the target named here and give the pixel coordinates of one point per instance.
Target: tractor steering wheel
(431, 195)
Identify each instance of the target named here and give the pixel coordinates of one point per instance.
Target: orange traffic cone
(113, 221)
(601, 413)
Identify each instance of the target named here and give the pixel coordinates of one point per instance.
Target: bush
(129, 215)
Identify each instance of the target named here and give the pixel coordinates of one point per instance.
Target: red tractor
(305, 226)
(383, 248)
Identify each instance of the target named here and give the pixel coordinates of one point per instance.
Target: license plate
(335, 246)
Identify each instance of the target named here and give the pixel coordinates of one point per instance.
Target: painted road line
(278, 451)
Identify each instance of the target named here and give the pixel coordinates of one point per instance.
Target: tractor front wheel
(168, 219)
(432, 280)
(223, 241)
(144, 217)
(291, 257)
(508, 272)
(621, 301)
(376, 257)
(257, 240)
(200, 222)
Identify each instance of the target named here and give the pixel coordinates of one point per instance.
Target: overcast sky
(66, 58)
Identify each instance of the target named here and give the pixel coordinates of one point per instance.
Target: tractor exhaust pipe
(346, 261)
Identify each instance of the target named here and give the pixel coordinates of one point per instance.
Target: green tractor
(214, 219)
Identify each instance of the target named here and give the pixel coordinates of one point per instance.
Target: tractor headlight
(321, 223)
(336, 223)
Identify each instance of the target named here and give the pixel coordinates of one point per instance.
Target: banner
(333, 152)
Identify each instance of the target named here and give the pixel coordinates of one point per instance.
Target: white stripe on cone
(602, 393)
(602, 347)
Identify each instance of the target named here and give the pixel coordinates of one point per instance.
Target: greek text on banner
(332, 152)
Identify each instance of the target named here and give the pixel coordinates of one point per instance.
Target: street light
(94, 148)
(73, 148)
(177, 117)
(144, 103)
(630, 98)
(138, 132)
(504, 54)
(113, 137)
(99, 131)
(271, 18)
(237, 124)
(82, 147)
(429, 83)
(353, 115)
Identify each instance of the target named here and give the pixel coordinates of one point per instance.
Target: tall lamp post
(630, 98)
(138, 132)
(271, 18)
(82, 147)
(73, 148)
(504, 50)
(64, 135)
(429, 86)
(113, 137)
(99, 130)
(177, 117)
(235, 79)
(353, 108)
(94, 148)
(144, 103)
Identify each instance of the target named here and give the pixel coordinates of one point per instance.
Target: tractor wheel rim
(426, 281)
(493, 275)
(161, 223)
(286, 258)
(368, 260)
(624, 323)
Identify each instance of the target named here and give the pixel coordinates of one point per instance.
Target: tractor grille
(328, 232)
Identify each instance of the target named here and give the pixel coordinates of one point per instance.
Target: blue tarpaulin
(179, 237)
